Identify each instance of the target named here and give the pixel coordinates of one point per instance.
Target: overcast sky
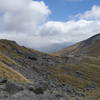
(37, 24)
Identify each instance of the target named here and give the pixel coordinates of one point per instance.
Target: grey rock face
(13, 91)
(10, 87)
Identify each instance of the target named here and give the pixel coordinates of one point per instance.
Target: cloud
(26, 22)
(93, 14)
(86, 25)
(71, 31)
(75, 0)
(22, 15)
(29, 40)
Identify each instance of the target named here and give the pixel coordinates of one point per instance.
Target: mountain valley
(69, 74)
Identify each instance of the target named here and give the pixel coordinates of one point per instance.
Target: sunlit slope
(10, 74)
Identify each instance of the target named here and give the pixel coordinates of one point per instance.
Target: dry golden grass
(91, 60)
(90, 69)
(8, 73)
(7, 59)
(68, 78)
(16, 51)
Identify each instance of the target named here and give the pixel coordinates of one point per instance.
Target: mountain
(25, 68)
(25, 60)
(8, 73)
(54, 47)
(90, 47)
(33, 75)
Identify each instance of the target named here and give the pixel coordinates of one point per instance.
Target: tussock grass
(7, 59)
(89, 73)
(8, 73)
(67, 78)
(91, 60)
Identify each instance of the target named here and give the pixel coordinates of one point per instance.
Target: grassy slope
(10, 51)
(8, 73)
(13, 49)
(90, 47)
(93, 50)
(80, 76)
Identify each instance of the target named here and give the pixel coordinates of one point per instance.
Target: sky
(63, 9)
(42, 24)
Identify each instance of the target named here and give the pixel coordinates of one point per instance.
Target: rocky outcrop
(10, 90)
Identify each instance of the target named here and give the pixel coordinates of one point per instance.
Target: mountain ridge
(86, 47)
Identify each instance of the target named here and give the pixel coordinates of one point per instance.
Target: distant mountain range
(54, 47)
(69, 74)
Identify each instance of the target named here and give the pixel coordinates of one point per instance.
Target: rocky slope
(90, 47)
(33, 75)
(32, 69)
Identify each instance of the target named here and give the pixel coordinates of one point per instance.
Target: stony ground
(51, 77)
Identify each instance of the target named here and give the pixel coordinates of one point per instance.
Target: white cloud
(29, 40)
(86, 25)
(22, 15)
(74, 30)
(71, 31)
(25, 22)
(75, 0)
(93, 14)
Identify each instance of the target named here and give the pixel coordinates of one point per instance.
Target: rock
(2, 81)
(3, 94)
(38, 91)
(12, 87)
